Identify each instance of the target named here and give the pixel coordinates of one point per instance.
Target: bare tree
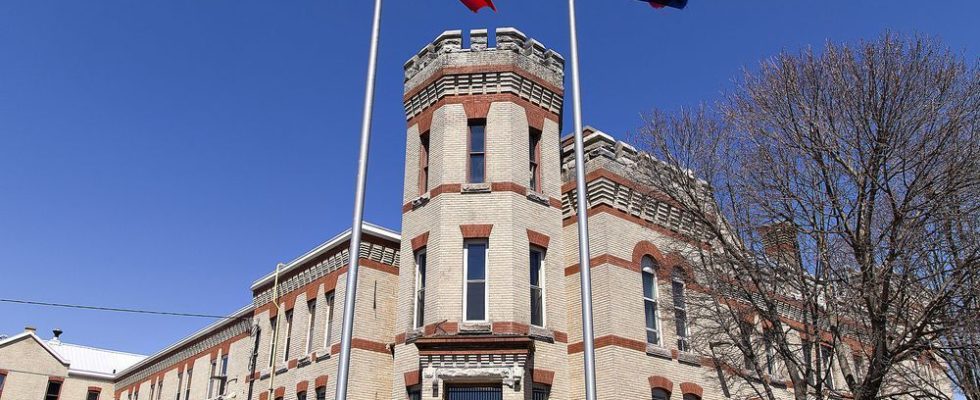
(836, 197)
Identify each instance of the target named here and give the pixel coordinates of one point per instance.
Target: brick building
(478, 296)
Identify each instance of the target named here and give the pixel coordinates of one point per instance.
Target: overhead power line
(112, 309)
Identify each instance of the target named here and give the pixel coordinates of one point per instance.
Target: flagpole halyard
(350, 296)
(585, 271)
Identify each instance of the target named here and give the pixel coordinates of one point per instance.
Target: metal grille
(474, 393)
(540, 393)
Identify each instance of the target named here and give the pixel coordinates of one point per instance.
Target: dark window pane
(477, 138)
(690, 396)
(651, 314)
(54, 389)
(92, 396)
(648, 283)
(678, 291)
(321, 394)
(476, 261)
(301, 396)
(680, 320)
(653, 337)
(537, 307)
(421, 262)
(660, 394)
(535, 268)
(541, 393)
(475, 307)
(420, 313)
(476, 168)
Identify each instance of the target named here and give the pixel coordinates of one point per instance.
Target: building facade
(478, 296)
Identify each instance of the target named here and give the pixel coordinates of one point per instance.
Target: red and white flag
(476, 5)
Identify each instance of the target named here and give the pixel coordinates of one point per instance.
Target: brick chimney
(779, 242)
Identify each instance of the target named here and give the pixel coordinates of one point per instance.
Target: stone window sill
(475, 188)
(658, 351)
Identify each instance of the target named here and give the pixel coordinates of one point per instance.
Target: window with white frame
(477, 151)
(475, 274)
(680, 308)
(648, 270)
(534, 159)
(419, 309)
(180, 382)
(214, 368)
(273, 322)
(289, 335)
(537, 286)
(310, 324)
(328, 325)
(223, 375)
(187, 392)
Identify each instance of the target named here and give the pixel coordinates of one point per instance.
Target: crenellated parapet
(516, 65)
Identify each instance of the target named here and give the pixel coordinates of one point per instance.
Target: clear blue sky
(164, 154)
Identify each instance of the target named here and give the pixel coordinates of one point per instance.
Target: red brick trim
(280, 392)
(542, 376)
(645, 248)
(363, 344)
(535, 113)
(476, 231)
(659, 382)
(264, 395)
(514, 328)
(615, 212)
(95, 389)
(494, 187)
(4, 372)
(420, 241)
(328, 281)
(561, 337)
(603, 259)
(56, 379)
(321, 381)
(302, 386)
(538, 239)
(400, 338)
(692, 388)
(610, 340)
(291, 364)
(413, 378)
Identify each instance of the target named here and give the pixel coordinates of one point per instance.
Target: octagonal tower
(481, 292)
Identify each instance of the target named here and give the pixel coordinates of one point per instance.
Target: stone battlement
(512, 47)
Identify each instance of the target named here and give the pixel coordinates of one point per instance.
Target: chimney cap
(57, 334)
(30, 329)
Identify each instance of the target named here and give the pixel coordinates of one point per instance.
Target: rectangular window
(420, 264)
(223, 375)
(180, 382)
(424, 163)
(680, 314)
(289, 335)
(537, 286)
(827, 357)
(214, 368)
(477, 151)
(321, 393)
(160, 389)
(534, 159)
(187, 392)
(328, 330)
(300, 395)
(745, 336)
(92, 395)
(54, 390)
(253, 361)
(650, 298)
(153, 389)
(415, 392)
(3, 379)
(272, 340)
(475, 289)
(541, 392)
(310, 325)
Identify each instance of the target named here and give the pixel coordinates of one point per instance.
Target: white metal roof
(81, 360)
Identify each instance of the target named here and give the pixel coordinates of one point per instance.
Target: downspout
(275, 333)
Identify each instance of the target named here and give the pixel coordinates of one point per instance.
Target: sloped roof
(82, 360)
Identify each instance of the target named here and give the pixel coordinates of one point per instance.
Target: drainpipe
(275, 333)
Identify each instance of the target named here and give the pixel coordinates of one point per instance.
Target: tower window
(289, 335)
(424, 163)
(680, 309)
(328, 329)
(537, 286)
(92, 395)
(534, 159)
(477, 151)
(310, 324)
(475, 289)
(420, 265)
(650, 296)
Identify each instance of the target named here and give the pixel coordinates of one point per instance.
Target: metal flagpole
(350, 296)
(585, 272)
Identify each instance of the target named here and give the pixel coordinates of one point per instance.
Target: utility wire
(111, 309)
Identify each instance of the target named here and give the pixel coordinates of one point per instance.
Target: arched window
(680, 309)
(660, 394)
(648, 268)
